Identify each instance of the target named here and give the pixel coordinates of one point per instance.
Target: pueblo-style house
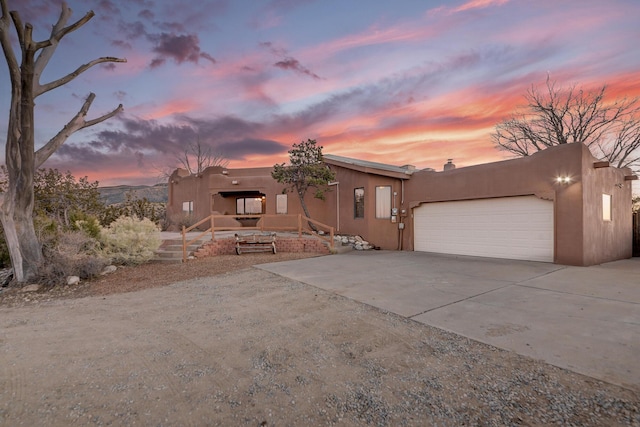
(559, 205)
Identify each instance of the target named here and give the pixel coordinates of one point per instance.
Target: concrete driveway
(586, 319)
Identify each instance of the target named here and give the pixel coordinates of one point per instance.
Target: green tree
(306, 169)
(133, 206)
(556, 115)
(62, 198)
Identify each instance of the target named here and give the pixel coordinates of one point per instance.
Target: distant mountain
(154, 193)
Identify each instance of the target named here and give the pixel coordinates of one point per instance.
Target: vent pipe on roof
(449, 165)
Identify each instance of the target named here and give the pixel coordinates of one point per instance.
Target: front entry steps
(170, 251)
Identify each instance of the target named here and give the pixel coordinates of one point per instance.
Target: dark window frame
(358, 203)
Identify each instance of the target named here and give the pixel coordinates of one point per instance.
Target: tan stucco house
(559, 205)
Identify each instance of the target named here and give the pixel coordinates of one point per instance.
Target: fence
(297, 223)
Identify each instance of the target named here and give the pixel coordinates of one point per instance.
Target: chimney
(449, 165)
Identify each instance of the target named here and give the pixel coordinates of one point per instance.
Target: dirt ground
(217, 342)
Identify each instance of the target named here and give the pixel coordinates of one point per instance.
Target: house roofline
(402, 172)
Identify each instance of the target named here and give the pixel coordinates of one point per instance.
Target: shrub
(88, 224)
(176, 221)
(129, 240)
(70, 253)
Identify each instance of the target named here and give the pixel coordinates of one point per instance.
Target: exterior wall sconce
(563, 180)
(234, 182)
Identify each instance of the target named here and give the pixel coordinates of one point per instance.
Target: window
(606, 207)
(383, 202)
(281, 203)
(187, 207)
(358, 203)
(249, 206)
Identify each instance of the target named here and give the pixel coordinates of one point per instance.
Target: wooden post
(184, 244)
(636, 234)
(299, 225)
(213, 233)
(331, 234)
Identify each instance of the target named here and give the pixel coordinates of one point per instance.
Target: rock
(108, 270)
(367, 247)
(358, 247)
(359, 239)
(30, 288)
(345, 240)
(73, 280)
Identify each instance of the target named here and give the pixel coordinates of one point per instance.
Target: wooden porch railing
(299, 223)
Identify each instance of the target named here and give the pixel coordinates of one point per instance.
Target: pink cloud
(479, 4)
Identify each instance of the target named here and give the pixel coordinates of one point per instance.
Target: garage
(506, 227)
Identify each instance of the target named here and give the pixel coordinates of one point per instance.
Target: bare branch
(203, 156)
(17, 23)
(75, 124)
(556, 116)
(5, 40)
(57, 33)
(40, 89)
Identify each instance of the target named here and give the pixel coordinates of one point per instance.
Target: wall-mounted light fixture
(234, 182)
(563, 179)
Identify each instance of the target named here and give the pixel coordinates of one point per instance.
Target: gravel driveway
(253, 348)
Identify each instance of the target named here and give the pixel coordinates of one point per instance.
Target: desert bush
(134, 207)
(88, 224)
(176, 221)
(129, 240)
(70, 253)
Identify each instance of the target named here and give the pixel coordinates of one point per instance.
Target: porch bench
(256, 242)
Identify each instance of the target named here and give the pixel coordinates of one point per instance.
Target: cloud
(287, 62)
(479, 4)
(293, 64)
(146, 14)
(179, 48)
(151, 142)
(244, 148)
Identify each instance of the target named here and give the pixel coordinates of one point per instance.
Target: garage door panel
(513, 227)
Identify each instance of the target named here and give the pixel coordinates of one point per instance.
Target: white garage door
(508, 227)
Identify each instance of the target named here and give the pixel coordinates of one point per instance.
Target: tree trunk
(306, 211)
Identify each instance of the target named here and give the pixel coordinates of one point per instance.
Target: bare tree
(554, 116)
(197, 157)
(22, 160)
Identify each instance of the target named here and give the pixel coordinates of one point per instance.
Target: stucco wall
(378, 231)
(215, 191)
(606, 240)
(581, 238)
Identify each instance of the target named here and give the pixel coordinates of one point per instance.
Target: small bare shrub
(129, 240)
(70, 253)
(176, 221)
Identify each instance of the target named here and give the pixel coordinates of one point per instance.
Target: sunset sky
(403, 82)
